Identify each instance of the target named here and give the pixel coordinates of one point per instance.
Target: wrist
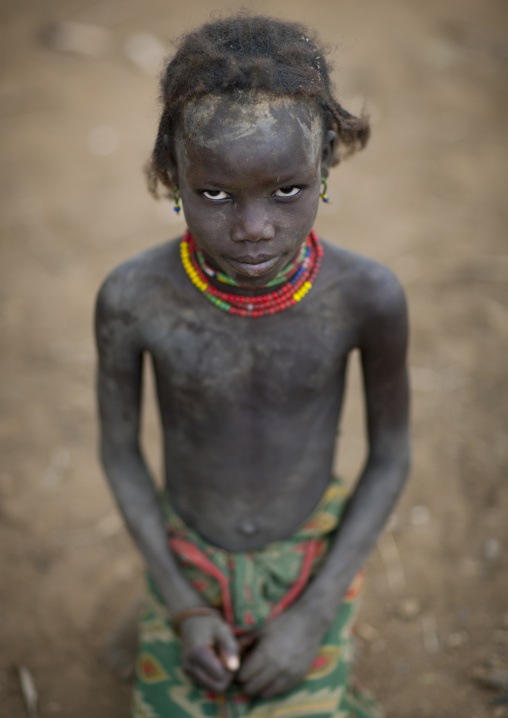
(189, 612)
(319, 613)
(175, 591)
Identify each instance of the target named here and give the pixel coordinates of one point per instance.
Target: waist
(322, 518)
(244, 519)
(254, 586)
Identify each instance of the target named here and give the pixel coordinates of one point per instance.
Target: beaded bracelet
(195, 611)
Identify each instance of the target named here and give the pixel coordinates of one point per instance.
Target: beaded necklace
(292, 291)
(282, 276)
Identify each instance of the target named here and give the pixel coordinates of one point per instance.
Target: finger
(252, 665)
(202, 678)
(279, 685)
(260, 682)
(228, 648)
(230, 661)
(207, 659)
(245, 643)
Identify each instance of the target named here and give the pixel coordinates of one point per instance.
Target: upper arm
(119, 365)
(383, 347)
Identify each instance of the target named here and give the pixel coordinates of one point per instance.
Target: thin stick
(29, 691)
(429, 631)
(392, 562)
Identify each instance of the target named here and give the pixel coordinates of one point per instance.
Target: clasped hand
(279, 658)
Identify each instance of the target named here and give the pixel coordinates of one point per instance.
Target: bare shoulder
(369, 289)
(133, 285)
(132, 294)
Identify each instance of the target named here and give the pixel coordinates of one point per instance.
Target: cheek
(210, 229)
(305, 211)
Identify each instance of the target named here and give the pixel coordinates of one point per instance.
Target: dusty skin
(264, 112)
(428, 199)
(250, 409)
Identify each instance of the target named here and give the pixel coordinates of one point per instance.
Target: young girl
(254, 551)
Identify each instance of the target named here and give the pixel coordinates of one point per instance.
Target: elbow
(401, 459)
(404, 471)
(116, 458)
(403, 467)
(107, 454)
(393, 464)
(394, 450)
(405, 460)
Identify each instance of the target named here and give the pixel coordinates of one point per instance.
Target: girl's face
(249, 175)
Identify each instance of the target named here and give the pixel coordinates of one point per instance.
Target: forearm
(376, 493)
(136, 497)
(290, 643)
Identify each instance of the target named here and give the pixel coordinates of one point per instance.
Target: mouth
(254, 266)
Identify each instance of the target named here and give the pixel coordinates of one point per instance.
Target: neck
(223, 282)
(254, 303)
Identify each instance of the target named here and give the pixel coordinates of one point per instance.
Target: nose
(252, 223)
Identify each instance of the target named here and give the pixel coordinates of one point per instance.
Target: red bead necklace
(260, 305)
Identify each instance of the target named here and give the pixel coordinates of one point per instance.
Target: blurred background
(78, 114)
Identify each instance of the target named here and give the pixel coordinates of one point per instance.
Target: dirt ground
(428, 198)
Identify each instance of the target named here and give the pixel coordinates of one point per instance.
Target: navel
(247, 528)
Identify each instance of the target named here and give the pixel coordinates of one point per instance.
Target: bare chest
(279, 359)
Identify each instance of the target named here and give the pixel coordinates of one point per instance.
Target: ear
(172, 168)
(327, 153)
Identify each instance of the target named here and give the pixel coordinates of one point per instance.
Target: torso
(249, 406)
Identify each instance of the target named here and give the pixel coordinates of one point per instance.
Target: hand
(209, 652)
(282, 656)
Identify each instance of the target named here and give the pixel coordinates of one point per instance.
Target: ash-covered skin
(248, 113)
(250, 407)
(273, 144)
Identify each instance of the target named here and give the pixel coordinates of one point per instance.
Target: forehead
(262, 122)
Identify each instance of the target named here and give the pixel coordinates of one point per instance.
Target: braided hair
(248, 54)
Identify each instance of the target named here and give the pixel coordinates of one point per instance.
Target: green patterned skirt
(250, 588)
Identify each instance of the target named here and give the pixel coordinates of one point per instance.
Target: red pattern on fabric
(248, 618)
(310, 550)
(189, 552)
(310, 526)
(356, 586)
(320, 662)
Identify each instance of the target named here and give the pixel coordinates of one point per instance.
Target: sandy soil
(428, 198)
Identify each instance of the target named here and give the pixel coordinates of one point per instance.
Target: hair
(248, 54)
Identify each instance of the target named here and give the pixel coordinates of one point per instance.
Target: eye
(291, 191)
(215, 194)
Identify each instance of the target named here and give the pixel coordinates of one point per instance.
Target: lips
(254, 266)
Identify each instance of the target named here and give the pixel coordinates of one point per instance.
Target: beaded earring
(324, 195)
(176, 195)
